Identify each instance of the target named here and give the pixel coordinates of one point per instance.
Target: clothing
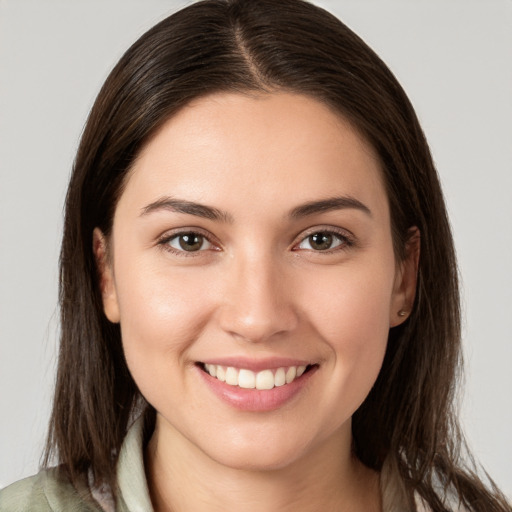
(51, 491)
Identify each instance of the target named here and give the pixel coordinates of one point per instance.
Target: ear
(406, 279)
(106, 276)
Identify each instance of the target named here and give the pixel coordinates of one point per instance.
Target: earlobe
(406, 280)
(105, 276)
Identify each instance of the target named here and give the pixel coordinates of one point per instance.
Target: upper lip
(257, 364)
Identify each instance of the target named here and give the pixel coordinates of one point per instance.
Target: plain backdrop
(453, 57)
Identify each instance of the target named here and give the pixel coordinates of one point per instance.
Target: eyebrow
(329, 204)
(188, 207)
(211, 213)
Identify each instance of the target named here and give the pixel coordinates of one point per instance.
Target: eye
(323, 241)
(188, 242)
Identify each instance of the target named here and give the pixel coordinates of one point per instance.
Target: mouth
(263, 380)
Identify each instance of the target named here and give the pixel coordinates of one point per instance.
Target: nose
(257, 302)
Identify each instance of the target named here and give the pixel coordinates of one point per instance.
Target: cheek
(153, 301)
(350, 306)
(162, 314)
(350, 314)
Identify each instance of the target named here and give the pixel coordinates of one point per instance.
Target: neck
(182, 478)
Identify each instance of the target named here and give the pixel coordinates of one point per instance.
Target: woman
(258, 286)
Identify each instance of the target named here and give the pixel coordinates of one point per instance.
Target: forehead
(267, 149)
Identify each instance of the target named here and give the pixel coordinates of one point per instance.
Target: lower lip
(253, 399)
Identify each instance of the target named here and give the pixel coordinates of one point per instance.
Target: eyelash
(165, 240)
(346, 241)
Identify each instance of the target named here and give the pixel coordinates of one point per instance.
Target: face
(252, 271)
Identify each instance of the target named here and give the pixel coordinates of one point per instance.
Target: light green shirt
(51, 491)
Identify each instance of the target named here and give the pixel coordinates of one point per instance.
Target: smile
(261, 380)
(257, 386)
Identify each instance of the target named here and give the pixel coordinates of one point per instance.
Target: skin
(257, 289)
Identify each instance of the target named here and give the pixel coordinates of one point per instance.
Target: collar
(131, 478)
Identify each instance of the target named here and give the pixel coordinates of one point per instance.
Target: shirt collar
(133, 493)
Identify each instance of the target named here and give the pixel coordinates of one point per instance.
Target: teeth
(280, 377)
(246, 379)
(231, 376)
(265, 379)
(290, 374)
(221, 373)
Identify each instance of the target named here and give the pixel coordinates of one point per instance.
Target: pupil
(321, 241)
(191, 242)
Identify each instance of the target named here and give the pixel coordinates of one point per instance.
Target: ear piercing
(402, 312)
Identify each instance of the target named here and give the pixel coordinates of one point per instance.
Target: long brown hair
(408, 419)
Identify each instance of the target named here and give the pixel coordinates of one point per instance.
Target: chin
(260, 450)
(257, 458)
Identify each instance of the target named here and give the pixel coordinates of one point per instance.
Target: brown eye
(189, 242)
(322, 241)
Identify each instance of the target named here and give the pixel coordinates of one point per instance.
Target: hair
(409, 418)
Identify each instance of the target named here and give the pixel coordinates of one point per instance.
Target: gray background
(454, 58)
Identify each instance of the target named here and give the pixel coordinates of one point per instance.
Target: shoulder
(48, 491)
